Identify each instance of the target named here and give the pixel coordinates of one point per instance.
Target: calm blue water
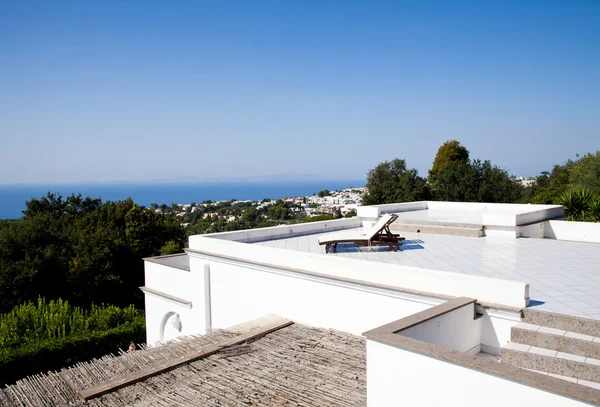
(13, 197)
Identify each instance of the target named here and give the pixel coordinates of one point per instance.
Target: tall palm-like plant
(594, 210)
(576, 203)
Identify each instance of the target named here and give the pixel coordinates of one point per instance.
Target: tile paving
(563, 277)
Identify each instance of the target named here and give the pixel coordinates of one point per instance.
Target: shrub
(53, 354)
(48, 335)
(577, 204)
(594, 210)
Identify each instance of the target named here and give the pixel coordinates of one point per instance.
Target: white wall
(177, 259)
(573, 231)
(241, 293)
(495, 329)
(284, 231)
(534, 230)
(456, 330)
(541, 214)
(186, 285)
(375, 211)
(489, 290)
(399, 377)
(493, 214)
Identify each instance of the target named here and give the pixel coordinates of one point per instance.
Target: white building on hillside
(483, 304)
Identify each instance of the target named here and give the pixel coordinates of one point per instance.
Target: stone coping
(420, 317)
(387, 335)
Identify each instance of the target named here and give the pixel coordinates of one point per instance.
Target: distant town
(216, 216)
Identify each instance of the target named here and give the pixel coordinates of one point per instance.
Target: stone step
(551, 361)
(556, 339)
(587, 383)
(437, 230)
(563, 322)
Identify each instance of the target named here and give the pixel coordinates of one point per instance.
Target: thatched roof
(295, 365)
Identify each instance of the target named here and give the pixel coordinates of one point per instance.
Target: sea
(13, 197)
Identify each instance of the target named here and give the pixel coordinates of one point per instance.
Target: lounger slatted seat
(378, 235)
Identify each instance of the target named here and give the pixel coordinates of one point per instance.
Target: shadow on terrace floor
(414, 244)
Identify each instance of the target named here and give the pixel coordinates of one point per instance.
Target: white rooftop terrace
(563, 276)
(526, 257)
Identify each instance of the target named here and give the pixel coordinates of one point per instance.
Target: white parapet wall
(414, 379)
(499, 220)
(507, 293)
(427, 359)
(221, 282)
(284, 231)
(375, 211)
(573, 231)
(587, 232)
(242, 292)
(457, 330)
(172, 291)
(228, 282)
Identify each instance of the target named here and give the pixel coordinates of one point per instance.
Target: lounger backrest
(381, 223)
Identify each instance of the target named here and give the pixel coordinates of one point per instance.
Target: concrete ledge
(415, 319)
(168, 297)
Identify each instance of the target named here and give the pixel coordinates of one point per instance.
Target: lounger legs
(328, 245)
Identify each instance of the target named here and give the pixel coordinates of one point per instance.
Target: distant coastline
(13, 197)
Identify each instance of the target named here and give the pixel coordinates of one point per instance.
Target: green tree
(171, 247)
(82, 250)
(324, 193)
(477, 181)
(392, 182)
(450, 152)
(351, 213)
(585, 173)
(549, 186)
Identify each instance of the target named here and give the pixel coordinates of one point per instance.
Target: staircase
(438, 228)
(557, 345)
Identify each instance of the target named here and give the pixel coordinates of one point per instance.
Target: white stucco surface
(399, 377)
(572, 231)
(456, 330)
(182, 284)
(563, 276)
(472, 217)
(240, 294)
(402, 277)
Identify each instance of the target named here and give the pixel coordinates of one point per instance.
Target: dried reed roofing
(294, 365)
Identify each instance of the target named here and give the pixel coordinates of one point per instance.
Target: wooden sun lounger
(378, 235)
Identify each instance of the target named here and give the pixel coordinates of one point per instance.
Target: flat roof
(563, 277)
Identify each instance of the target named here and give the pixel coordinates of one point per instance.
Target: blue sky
(115, 90)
